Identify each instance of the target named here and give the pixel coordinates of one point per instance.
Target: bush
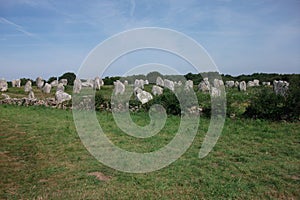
(267, 105)
(168, 100)
(99, 100)
(70, 76)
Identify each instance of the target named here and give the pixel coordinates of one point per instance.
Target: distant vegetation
(257, 102)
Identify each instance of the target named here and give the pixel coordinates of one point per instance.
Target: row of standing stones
(212, 87)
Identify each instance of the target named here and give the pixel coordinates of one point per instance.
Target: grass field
(42, 157)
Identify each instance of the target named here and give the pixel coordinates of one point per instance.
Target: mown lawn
(42, 157)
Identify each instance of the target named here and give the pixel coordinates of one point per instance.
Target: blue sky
(47, 38)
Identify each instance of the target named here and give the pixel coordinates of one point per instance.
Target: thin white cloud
(17, 27)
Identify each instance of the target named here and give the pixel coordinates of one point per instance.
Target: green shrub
(169, 101)
(99, 100)
(267, 105)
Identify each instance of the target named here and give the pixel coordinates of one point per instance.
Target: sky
(49, 37)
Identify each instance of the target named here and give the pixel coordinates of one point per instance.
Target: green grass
(42, 157)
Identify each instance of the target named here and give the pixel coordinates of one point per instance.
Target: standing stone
(169, 84)
(156, 90)
(101, 82)
(229, 84)
(125, 82)
(27, 87)
(188, 85)
(216, 83)
(236, 84)
(215, 92)
(242, 86)
(250, 84)
(31, 95)
(47, 88)
(137, 90)
(18, 83)
(3, 85)
(119, 87)
(144, 97)
(280, 87)
(146, 82)
(97, 83)
(179, 83)
(88, 83)
(13, 83)
(64, 81)
(159, 81)
(39, 82)
(60, 87)
(61, 96)
(204, 85)
(256, 82)
(266, 83)
(77, 86)
(139, 83)
(54, 83)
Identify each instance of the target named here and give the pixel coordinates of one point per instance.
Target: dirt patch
(100, 176)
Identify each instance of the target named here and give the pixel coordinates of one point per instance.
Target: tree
(51, 79)
(70, 76)
(152, 76)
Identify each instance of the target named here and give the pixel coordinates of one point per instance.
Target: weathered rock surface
(204, 85)
(256, 82)
(54, 83)
(156, 90)
(98, 82)
(215, 92)
(137, 90)
(31, 95)
(139, 83)
(144, 97)
(3, 85)
(236, 84)
(77, 86)
(16, 83)
(188, 85)
(243, 86)
(169, 84)
(229, 84)
(88, 83)
(160, 81)
(119, 87)
(27, 87)
(218, 83)
(280, 87)
(39, 82)
(61, 96)
(60, 87)
(47, 88)
(64, 81)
